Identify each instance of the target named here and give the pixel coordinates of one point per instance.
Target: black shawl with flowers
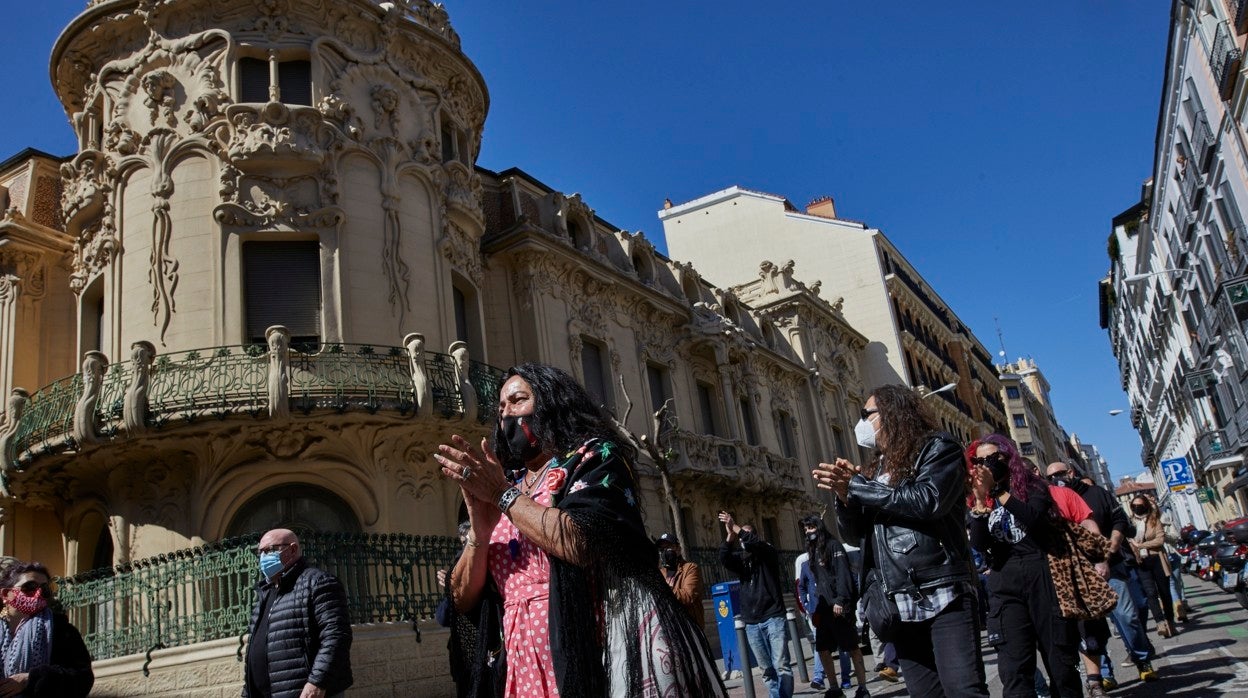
(596, 487)
(598, 493)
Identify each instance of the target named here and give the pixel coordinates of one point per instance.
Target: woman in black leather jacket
(909, 511)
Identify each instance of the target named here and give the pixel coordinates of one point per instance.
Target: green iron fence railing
(206, 593)
(219, 382)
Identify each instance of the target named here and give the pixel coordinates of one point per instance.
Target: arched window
(299, 507)
(579, 234)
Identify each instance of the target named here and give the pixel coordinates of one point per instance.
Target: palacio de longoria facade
(272, 279)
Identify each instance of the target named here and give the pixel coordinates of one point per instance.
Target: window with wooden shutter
(282, 286)
(294, 82)
(593, 367)
(253, 80)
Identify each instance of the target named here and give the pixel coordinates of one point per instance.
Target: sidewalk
(1209, 657)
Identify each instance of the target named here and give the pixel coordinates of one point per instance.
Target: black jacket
(309, 638)
(834, 581)
(913, 533)
(68, 673)
(758, 565)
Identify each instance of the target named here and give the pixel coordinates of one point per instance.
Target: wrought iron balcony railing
(206, 593)
(106, 403)
(1224, 59)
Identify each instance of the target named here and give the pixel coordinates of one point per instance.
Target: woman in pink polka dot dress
(561, 546)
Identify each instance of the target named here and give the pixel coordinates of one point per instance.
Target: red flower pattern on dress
(555, 479)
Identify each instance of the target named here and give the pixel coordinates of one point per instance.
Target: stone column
(10, 289)
(732, 415)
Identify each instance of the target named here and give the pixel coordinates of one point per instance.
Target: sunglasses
(31, 587)
(866, 413)
(1060, 476)
(990, 459)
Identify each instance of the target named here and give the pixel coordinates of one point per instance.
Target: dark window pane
(595, 376)
(294, 81)
(706, 407)
(253, 80)
(657, 383)
(282, 284)
(747, 420)
(461, 314)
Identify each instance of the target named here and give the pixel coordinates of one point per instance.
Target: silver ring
(466, 472)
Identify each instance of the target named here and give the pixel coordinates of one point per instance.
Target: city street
(1208, 658)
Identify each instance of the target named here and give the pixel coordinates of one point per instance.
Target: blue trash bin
(725, 598)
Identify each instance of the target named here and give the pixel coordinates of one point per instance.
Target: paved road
(1208, 658)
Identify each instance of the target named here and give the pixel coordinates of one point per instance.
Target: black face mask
(1078, 485)
(748, 536)
(1140, 511)
(812, 537)
(1000, 469)
(521, 441)
(670, 558)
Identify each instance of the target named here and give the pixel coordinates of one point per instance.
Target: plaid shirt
(918, 607)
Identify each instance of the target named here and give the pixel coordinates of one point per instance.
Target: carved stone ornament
(134, 410)
(462, 251)
(275, 138)
(27, 267)
(94, 364)
(278, 340)
(459, 354)
(414, 344)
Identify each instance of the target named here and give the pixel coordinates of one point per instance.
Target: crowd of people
(939, 550)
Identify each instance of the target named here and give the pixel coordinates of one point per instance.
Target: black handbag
(880, 609)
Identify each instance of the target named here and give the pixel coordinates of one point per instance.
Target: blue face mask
(270, 564)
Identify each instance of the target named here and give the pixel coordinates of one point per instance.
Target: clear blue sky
(992, 142)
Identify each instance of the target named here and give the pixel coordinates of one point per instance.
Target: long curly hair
(564, 415)
(1023, 479)
(905, 423)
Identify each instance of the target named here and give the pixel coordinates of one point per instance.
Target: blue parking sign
(1178, 473)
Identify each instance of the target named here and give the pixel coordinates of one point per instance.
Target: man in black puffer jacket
(300, 644)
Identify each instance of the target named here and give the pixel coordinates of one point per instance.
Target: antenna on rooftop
(1000, 337)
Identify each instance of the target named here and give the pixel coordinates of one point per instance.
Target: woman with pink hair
(1013, 523)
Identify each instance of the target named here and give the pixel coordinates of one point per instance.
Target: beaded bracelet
(508, 498)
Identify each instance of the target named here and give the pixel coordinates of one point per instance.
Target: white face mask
(865, 433)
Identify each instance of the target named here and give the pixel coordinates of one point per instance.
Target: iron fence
(713, 572)
(206, 593)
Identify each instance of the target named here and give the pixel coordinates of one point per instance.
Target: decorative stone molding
(414, 344)
(462, 251)
(278, 339)
(94, 364)
(134, 410)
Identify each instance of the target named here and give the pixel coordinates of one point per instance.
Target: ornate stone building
(224, 313)
(915, 338)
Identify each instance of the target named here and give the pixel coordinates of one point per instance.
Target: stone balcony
(112, 403)
(735, 464)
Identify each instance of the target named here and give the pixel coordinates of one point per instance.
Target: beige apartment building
(272, 279)
(1033, 425)
(914, 338)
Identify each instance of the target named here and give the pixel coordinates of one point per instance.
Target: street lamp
(941, 389)
(1150, 274)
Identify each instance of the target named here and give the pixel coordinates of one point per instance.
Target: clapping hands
(835, 476)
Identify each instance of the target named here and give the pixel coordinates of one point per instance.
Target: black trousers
(941, 657)
(1156, 587)
(1024, 612)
